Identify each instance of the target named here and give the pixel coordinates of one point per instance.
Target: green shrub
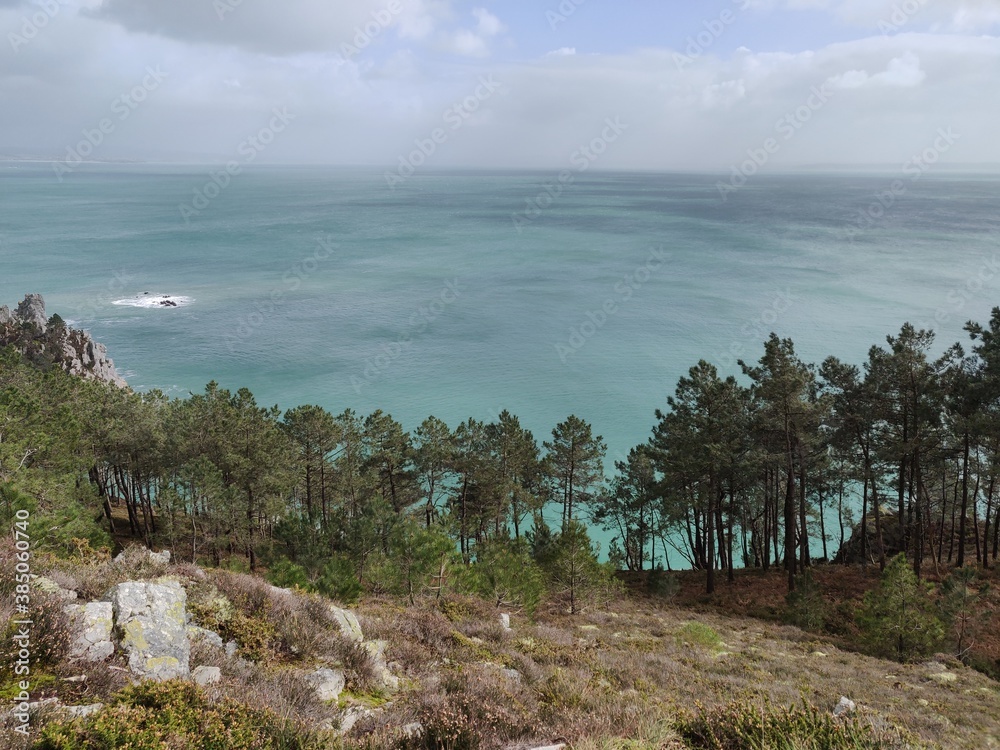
(286, 574)
(339, 581)
(505, 575)
(745, 726)
(177, 715)
(805, 607)
(897, 618)
(661, 585)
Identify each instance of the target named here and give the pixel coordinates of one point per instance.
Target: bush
(698, 634)
(286, 574)
(339, 581)
(174, 714)
(505, 575)
(805, 607)
(745, 726)
(49, 633)
(897, 618)
(661, 585)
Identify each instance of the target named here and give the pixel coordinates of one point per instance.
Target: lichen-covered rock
(348, 623)
(32, 312)
(150, 624)
(376, 650)
(328, 683)
(210, 637)
(92, 624)
(206, 676)
(42, 583)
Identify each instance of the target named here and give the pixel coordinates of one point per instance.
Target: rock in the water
(206, 676)
(328, 683)
(92, 624)
(150, 623)
(348, 623)
(845, 707)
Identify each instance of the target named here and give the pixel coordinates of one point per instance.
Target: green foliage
(173, 714)
(505, 575)
(662, 585)
(745, 726)
(805, 607)
(897, 619)
(962, 597)
(286, 574)
(339, 581)
(573, 570)
(699, 634)
(417, 558)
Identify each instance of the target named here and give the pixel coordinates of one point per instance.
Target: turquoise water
(300, 322)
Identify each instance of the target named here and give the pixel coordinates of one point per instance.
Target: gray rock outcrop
(348, 623)
(328, 683)
(92, 623)
(206, 676)
(74, 350)
(150, 624)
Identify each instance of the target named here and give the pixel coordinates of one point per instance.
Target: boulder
(505, 621)
(92, 625)
(328, 683)
(348, 623)
(845, 707)
(206, 676)
(210, 637)
(6, 316)
(150, 624)
(42, 583)
(376, 650)
(943, 678)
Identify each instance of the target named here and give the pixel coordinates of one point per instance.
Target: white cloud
(903, 72)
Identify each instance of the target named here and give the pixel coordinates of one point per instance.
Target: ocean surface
(459, 294)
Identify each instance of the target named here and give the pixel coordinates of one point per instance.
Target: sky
(632, 85)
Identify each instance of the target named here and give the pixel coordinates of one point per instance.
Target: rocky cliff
(49, 341)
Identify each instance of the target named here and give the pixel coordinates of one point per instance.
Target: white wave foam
(155, 301)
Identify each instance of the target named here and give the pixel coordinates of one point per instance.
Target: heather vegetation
(433, 534)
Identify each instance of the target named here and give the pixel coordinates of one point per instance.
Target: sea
(460, 294)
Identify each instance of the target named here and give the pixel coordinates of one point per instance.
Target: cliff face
(49, 341)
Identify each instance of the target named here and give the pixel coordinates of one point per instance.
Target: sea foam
(155, 301)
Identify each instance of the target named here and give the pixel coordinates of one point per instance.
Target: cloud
(475, 42)
(289, 27)
(964, 16)
(903, 72)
